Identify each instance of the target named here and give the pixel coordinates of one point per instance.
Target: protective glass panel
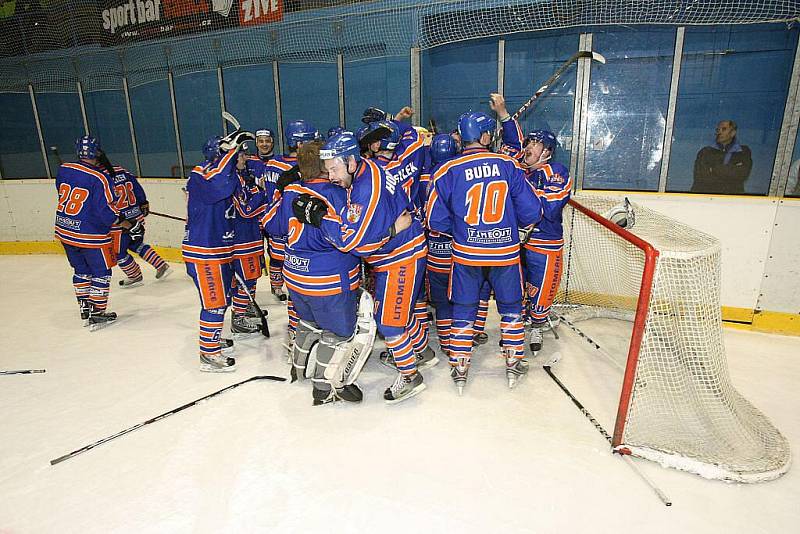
(531, 59)
(62, 125)
(108, 121)
(155, 134)
(384, 83)
(310, 92)
(457, 78)
(199, 113)
(20, 155)
(738, 74)
(628, 100)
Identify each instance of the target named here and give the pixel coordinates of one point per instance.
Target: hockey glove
(235, 140)
(373, 115)
(309, 210)
(288, 177)
(136, 232)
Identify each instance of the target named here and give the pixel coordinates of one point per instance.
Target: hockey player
(383, 138)
(257, 163)
(373, 226)
(248, 244)
(543, 248)
(481, 199)
(322, 281)
(297, 133)
(208, 242)
(133, 206)
(85, 213)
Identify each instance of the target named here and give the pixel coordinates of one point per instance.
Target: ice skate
(404, 387)
(535, 338)
(163, 271)
(218, 363)
(458, 373)
(480, 339)
(351, 393)
(85, 308)
(131, 282)
(516, 368)
(226, 346)
(425, 360)
(99, 319)
(242, 327)
(279, 294)
(251, 312)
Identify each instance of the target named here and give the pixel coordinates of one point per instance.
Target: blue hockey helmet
(547, 138)
(386, 132)
(211, 150)
(340, 146)
(473, 124)
(87, 147)
(443, 147)
(300, 131)
(336, 130)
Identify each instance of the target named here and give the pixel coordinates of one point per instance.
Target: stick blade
(600, 58)
(231, 119)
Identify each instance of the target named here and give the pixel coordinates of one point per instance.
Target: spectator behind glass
(724, 167)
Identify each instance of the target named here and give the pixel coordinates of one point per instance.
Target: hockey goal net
(677, 405)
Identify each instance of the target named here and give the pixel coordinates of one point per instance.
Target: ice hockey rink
(260, 458)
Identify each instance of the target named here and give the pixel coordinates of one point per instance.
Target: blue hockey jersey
(553, 185)
(86, 207)
(312, 263)
(375, 200)
(481, 199)
(210, 211)
(129, 194)
(251, 204)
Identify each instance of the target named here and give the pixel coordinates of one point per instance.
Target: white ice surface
(259, 458)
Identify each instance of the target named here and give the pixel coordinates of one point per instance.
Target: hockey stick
(22, 372)
(162, 416)
(231, 119)
(259, 311)
(174, 218)
(556, 75)
(54, 150)
(625, 456)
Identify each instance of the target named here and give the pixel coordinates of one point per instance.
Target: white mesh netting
(684, 412)
(47, 41)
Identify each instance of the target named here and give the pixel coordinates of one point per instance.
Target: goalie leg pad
(304, 350)
(350, 354)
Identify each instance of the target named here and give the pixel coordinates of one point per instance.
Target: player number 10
(486, 203)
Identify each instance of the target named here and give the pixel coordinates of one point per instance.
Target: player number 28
(71, 199)
(486, 203)
(124, 192)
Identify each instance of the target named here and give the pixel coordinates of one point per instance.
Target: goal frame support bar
(642, 306)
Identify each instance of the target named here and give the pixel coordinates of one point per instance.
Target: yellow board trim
(737, 315)
(54, 247)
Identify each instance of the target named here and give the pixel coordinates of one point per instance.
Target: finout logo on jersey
(297, 264)
(440, 247)
(252, 12)
(488, 237)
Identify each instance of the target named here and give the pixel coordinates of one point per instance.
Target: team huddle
(365, 230)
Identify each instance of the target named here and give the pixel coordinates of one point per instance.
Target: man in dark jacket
(724, 167)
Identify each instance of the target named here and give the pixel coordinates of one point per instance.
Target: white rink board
(743, 225)
(780, 289)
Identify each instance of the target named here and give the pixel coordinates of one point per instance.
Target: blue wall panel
(62, 125)
(311, 92)
(457, 78)
(530, 60)
(199, 113)
(20, 155)
(250, 96)
(155, 134)
(382, 82)
(108, 121)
